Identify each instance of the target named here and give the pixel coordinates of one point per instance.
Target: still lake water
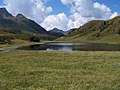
(78, 46)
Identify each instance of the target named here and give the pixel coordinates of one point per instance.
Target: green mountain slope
(97, 30)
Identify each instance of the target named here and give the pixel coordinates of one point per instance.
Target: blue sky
(113, 4)
(63, 14)
(58, 7)
(1, 1)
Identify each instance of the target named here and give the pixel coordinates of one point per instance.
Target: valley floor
(58, 70)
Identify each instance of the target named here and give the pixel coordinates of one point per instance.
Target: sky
(63, 14)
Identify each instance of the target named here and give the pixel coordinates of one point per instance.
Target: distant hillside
(97, 30)
(71, 30)
(18, 24)
(56, 32)
(21, 27)
(60, 33)
(27, 25)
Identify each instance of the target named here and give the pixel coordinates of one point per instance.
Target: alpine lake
(72, 46)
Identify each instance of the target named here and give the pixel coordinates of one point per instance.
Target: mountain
(60, 32)
(70, 31)
(56, 32)
(4, 13)
(97, 30)
(28, 25)
(18, 24)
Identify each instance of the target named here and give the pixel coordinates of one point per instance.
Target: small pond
(77, 46)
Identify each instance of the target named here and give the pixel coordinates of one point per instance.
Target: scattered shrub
(5, 40)
(34, 39)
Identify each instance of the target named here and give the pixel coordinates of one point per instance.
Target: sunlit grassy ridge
(58, 70)
(97, 31)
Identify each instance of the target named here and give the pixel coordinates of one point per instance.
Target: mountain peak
(4, 13)
(56, 29)
(21, 17)
(3, 9)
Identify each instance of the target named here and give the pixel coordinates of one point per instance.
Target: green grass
(58, 70)
(21, 39)
(16, 42)
(97, 31)
(114, 39)
(111, 39)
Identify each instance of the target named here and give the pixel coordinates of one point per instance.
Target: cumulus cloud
(33, 9)
(56, 21)
(83, 11)
(77, 20)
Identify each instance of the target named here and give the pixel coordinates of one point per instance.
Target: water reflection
(64, 48)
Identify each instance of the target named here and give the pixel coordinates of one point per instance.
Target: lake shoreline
(14, 47)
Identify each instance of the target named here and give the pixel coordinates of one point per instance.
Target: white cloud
(56, 21)
(66, 1)
(83, 11)
(77, 20)
(34, 9)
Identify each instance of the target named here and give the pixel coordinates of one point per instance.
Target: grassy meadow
(58, 70)
(110, 39)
